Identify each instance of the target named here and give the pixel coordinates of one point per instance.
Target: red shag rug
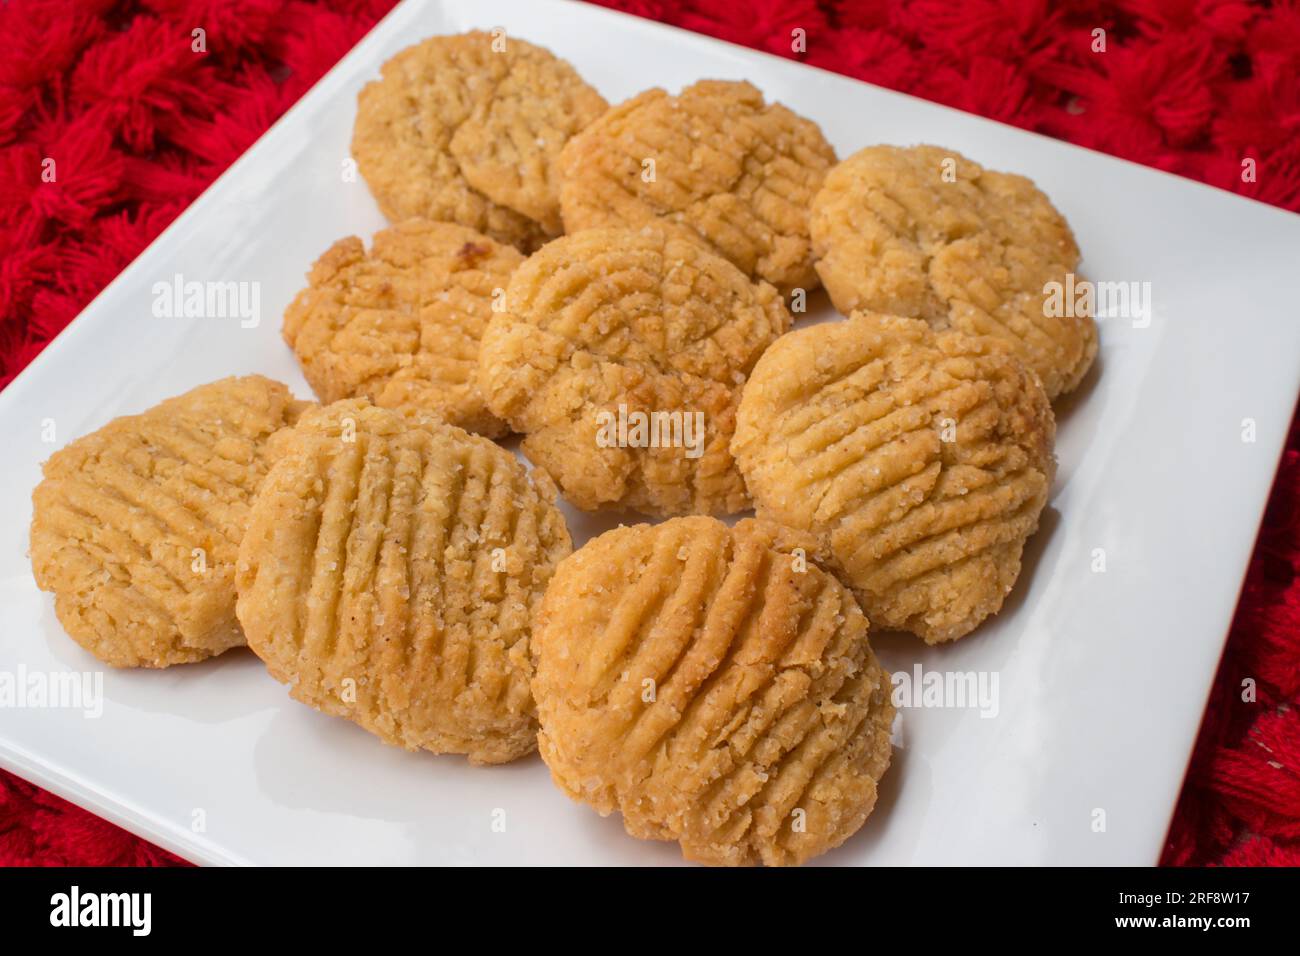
(138, 123)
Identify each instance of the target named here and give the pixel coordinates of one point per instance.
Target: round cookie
(716, 159)
(389, 575)
(920, 459)
(136, 526)
(620, 355)
(974, 254)
(715, 688)
(400, 325)
(468, 129)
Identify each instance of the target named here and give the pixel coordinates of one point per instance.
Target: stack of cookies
(616, 286)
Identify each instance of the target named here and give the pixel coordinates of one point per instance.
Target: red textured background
(139, 124)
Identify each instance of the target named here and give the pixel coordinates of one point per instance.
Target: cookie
(715, 688)
(389, 575)
(716, 159)
(468, 129)
(400, 325)
(920, 459)
(620, 355)
(135, 527)
(927, 233)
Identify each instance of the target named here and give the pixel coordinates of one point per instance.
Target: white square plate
(1102, 677)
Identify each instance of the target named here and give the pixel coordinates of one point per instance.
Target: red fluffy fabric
(137, 122)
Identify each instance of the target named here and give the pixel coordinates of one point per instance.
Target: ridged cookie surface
(135, 527)
(400, 325)
(921, 460)
(608, 327)
(389, 576)
(927, 233)
(468, 129)
(716, 159)
(715, 688)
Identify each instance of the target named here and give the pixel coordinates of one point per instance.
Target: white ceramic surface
(1102, 677)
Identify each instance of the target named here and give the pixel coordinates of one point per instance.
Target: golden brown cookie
(715, 688)
(621, 354)
(400, 325)
(927, 233)
(716, 159)
(389, 575)
(468, 129)
(921, 459)
(135, 527)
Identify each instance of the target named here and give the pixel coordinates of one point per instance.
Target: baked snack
(715, 159)
(927, 233)
(468, 129)
(715, 688)
(389, 575)
(620, 356)
(135, 527)
(400, 325)
(920, 459)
